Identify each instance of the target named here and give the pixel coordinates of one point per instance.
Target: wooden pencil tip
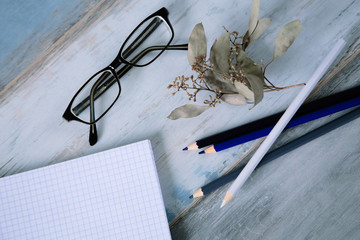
(198, 193)
(227, 199)
(185, 149)
(191, 197)
(192, 146)
(210, 149)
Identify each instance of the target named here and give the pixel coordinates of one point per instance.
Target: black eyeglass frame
(161, 13)
(96, 92)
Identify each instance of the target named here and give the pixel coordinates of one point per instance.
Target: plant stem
(269, 82)
(281, 88)
(208, 89)
(267, 65)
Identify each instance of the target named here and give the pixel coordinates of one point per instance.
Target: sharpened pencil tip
(202, 152)
(191, 197)
(185, 149)
(227, 198)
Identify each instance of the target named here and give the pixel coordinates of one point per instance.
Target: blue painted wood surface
(31, 106)
(29, 28)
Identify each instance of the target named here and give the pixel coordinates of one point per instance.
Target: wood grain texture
(29, 28)
(293, 198)
(35, 135)
(305, 194)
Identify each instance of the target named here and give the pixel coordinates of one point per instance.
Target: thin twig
(267, 66)
(269, 81)
(281, 88)
(210, 90)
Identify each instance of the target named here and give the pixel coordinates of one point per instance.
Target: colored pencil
(284, 120)
(271, 120)
(212, 186)
(294, 122)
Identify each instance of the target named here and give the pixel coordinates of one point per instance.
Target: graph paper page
(109, 195)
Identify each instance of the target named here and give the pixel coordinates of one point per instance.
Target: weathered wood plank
(29, 28)
(35, 135)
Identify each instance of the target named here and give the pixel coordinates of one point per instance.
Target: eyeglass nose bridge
(116, 63)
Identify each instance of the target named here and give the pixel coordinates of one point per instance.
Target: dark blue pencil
(212, 186)
(294, 122)
(273, 119)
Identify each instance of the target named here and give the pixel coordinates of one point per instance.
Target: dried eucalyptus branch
(229, 74)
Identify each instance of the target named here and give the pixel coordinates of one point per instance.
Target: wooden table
(312, 192)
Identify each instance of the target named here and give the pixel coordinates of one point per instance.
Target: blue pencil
(212, 186)
(294, 122)
(272, 120)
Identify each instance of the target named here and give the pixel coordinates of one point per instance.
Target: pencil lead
(185, 149)
(223, 203)
(191, 197)
(202, 152)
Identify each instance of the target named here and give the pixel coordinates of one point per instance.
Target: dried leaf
(246, 40)
(254, 75)
(261, 26)
(217, 82)
(234, 99)
(219, 57)
(197, 45)
(286, 37)
(220, 53)
(254, 17)
(187, 111)
(244, 91)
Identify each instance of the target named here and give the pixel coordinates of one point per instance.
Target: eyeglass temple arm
(142, 37)
(101, 89)
(93, 133)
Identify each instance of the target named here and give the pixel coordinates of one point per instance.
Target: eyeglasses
(143, 46)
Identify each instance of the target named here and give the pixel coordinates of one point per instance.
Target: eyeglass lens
(101, 105)
(153, 32)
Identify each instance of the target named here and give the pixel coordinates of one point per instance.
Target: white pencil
(284, 120)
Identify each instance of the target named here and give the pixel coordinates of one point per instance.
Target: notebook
(113, 194)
